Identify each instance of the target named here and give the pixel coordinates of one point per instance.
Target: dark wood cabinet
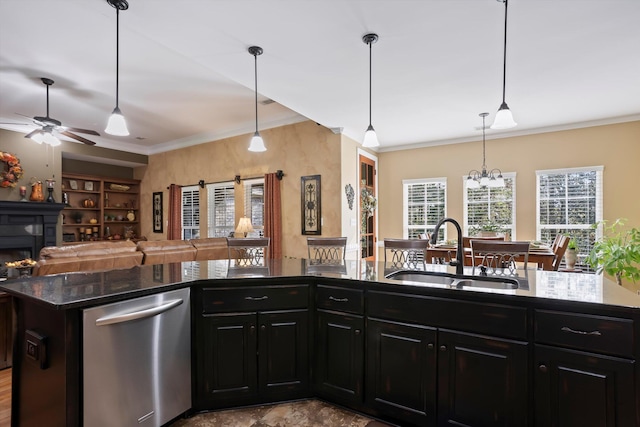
(401, 371)
(584, 370)
(575, 389)
(246, 352)
(339, 351)
(6, 330)
(482, 381)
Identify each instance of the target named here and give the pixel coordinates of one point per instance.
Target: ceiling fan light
(38, 137)
(117, 125)
(370, 138)
(257, 144)
(504, 118)
(51, 140)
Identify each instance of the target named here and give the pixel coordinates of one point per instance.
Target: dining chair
(499, 257)
(326, 249)
(405, 253)
(559, 247)
(248, 251)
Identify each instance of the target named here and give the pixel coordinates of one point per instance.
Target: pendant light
(117, 125)
(370, 137)
(476, 179)
(257, 144)
(504, 118)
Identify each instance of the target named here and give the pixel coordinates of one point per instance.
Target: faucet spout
(459, 262)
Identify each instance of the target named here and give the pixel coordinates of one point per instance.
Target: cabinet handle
(357, 331)
(573, 331)
(430, 346)
(338, 299)
(252, 328)
(264, 297)
(543, 368)
(443, 348)
(263, 327)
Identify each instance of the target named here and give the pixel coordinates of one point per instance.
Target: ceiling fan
(49, 127)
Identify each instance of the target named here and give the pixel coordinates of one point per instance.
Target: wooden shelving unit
(100, 208)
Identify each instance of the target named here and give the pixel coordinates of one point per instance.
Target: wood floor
(5, 397)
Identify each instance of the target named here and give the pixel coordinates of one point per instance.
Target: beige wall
(616, 147)
(298, 150)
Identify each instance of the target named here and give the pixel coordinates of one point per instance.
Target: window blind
(190, 212)
(496, 205)
(424, 204)
(254, 204)
(221, 209)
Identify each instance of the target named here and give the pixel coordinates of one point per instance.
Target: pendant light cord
(117, 54)
(255, 57)
(370, 66)
(504, 56)
(484, 157)
(47, 101)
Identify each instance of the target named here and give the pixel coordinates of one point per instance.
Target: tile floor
(308, 413)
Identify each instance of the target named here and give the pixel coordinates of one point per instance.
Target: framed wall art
(311, 204)
(157, 212)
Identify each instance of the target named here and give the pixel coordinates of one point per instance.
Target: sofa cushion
(210, 248)
(166, 251)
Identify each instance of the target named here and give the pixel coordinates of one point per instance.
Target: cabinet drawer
(254, 298)
(340, 299)
(599, 334)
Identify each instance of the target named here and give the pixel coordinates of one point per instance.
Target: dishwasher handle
(142, 314)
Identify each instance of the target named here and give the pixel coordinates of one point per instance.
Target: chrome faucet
(459, 262)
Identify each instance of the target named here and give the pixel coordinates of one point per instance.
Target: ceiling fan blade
(35, 132)
(77, 137)
(87, 131)
(16, 124)
(28, 117)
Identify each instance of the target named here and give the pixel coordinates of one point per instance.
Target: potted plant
(571, 255)
(617, 253)
(486, 228)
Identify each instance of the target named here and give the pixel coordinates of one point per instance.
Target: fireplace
(25, 228)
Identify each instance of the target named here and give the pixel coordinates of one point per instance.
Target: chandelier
(493, 178)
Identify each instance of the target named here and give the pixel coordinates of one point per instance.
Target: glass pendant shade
(499, 182)
(504, 118)
(484, 181)
(370, 138)
(472, 183)
(117, 125)
(257, 144)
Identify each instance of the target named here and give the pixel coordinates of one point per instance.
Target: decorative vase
(570, 257)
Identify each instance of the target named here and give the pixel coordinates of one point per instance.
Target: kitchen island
(561, 349)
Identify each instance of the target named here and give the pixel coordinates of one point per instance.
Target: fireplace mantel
(19, 219)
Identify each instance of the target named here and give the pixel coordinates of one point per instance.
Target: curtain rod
(237, 179)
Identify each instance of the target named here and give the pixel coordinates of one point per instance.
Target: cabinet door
(228, 365)
(283, 369)
(574, 388)
(482, 381)
(401, 371)
(6, 330)
(339, 357)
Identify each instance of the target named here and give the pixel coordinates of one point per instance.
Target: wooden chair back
(466, 240)
(559, 247)
(326, 249)
(496, 255)
(248, 251)
(405, 253)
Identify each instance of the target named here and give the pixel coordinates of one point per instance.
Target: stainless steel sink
(459, 282)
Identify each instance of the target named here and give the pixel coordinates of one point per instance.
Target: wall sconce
(237, 179)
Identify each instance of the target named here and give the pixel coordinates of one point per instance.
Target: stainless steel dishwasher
(137, 361)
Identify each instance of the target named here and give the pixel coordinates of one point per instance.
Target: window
(569, 202)
(495, 205)
(190, 212)
(221, 209)
(425, 202)
(254, 204)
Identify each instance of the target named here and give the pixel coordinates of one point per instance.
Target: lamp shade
(244, 226)
(257, 144)
(117, 124)
(38, 137)
(370, 138)
(504, 118)
(472, 183)
(51, 140)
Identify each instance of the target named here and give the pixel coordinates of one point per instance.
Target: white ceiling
(186, 76)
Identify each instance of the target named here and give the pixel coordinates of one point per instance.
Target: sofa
(109, 255)
(87, 257)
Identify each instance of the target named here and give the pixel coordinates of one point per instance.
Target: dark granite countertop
(80, 290)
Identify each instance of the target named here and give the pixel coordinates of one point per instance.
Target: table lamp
(244, 226)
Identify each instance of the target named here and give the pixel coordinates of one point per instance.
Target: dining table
(542, 256)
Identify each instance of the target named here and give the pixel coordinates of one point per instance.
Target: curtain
(174, 231)
(273, 214)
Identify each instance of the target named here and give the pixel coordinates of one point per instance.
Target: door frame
(374, 159)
